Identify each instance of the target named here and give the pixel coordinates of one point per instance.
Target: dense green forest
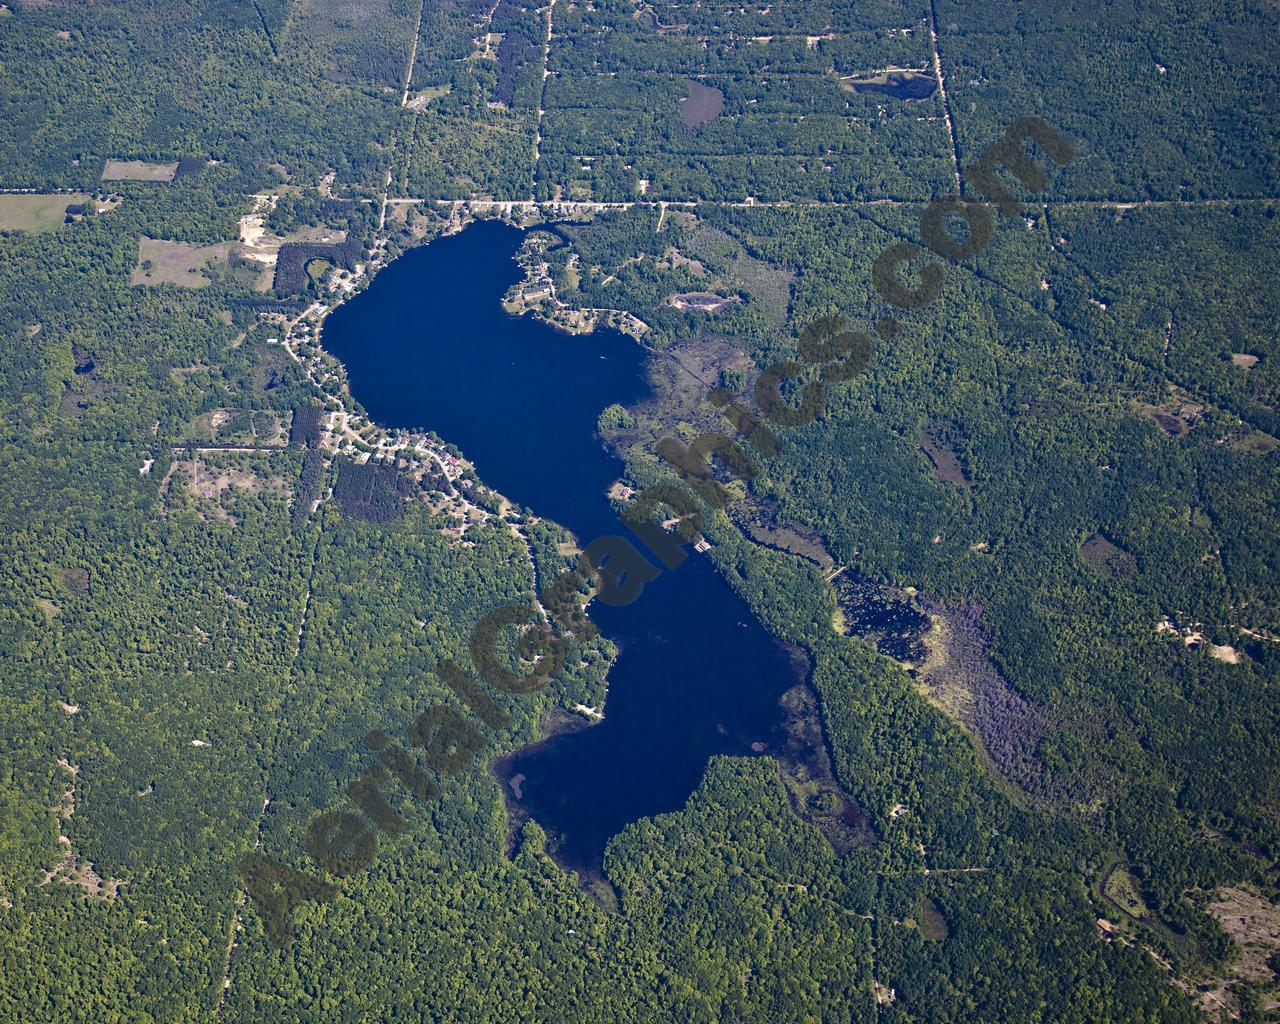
(1068, 462)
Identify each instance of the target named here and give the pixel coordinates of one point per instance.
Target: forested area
(1070, 458)
(83, 83)
(1055, 407)
(1173, 99)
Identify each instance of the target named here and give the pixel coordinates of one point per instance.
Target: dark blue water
(911, 86)
(428, 346)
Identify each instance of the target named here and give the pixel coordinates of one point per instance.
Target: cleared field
(1257, 443)
(1253, 922)
(35, 213)
(180, 263)
(943, 461)
(1101, 553)
(212, 485)
(1121, 888)
(256, 427)
(138, 170)
(931, 922)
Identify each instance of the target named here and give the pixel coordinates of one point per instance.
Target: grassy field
(35, 212)
(933, 926)
(1120, 887)
(164, 262)
(317, 268)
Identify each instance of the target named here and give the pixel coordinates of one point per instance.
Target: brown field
(959, 677)
(75, 580)
(1176, 415)
(1100, 553)
(759, 519)
(674, 258)
(767, 285)
(813, 791)
(1244, 360)
(904, 83)
(86, 392)
(946, 467)
(1121, 889)
(180, 263)
(929, 919)
(701, 106)
(35, 213)
(138, 170)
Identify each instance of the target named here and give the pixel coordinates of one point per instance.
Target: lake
(902, 85)
(428, 346)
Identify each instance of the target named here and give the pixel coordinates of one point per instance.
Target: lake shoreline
(696, 674)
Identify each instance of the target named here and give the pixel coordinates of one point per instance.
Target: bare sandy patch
(1244, 359)
(701, 302)
(258, 428)
(208, 424)
(71, 869)
(260, 245)
(419, 100)
(1256, 442)
(210, 482)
